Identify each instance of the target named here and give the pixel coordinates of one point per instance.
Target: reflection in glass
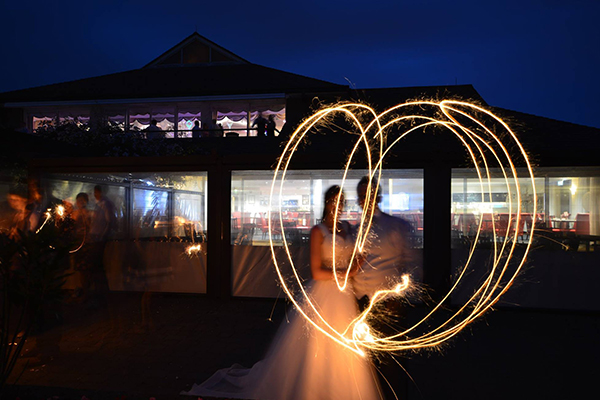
(301, 209)
(493, 204)
(565, 243)
(150, 213)
(66, 190)
(159, 216)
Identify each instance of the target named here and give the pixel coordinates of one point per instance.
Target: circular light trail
(490, 144)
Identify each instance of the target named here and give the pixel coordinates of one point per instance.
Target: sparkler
(60, 210)
(193, 249)
(47, 216)
(486, 138)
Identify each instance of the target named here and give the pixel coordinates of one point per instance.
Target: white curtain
(253, 272)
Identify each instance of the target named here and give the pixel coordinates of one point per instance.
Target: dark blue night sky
(539, 57)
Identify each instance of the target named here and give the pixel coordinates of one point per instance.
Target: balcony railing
(203, 133)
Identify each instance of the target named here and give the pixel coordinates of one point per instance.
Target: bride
(302, 363)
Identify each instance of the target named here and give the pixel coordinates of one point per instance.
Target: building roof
(553, 142)
(388, 97)
(175, 81)
(196, 49)
(195, 67)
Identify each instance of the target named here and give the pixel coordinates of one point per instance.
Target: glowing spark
(573, 189)
(80, 246)
(486, 148)
(194, 249)
(48, 216)
(60, 210)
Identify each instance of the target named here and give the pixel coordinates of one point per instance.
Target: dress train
(302, 363)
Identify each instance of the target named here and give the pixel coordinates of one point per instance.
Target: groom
(387, 256)
(387, 252)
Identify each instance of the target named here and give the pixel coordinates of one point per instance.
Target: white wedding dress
(302, 363)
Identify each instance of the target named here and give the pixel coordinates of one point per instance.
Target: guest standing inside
(196, 131)
(154, 131)
(82, 219)
(271, 126)
(102, 225)
(261, 125)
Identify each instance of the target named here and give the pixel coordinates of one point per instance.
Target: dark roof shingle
(177, 81)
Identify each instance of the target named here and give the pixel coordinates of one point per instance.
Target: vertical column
(171, 211)
(129, 218)
(248, 116)
(547, 202)
(594, 206)
(176, 122)
(437, 230)
(219, 250)
(225, 242)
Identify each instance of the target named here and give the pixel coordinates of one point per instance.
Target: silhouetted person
(285, 132)
(154, 131)
(220, 132)
(196, 131)
(102, 224)
(261, 125)
(271, 126)
(15, 218)
(82, 220)
(36, 211)
(216, 130)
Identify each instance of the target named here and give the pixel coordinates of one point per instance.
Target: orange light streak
(193, 249)
(480, 141)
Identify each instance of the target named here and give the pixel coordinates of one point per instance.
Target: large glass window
(565, 245)
(277, 115)
(234, 121)
(187, 118)
(65, 189)
(41, 120)
(492, 204)
(151, 216)
(302, 206)
(117, 118)
(165, 119)
(159, 240)
(139, 119)
(80, 118)
(573, 204)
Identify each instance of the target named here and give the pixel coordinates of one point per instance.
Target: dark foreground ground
(108, 354)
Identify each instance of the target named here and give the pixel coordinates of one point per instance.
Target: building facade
(192, 212)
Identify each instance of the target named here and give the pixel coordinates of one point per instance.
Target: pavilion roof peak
(196, 49)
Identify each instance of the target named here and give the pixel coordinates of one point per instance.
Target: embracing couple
(302, 363)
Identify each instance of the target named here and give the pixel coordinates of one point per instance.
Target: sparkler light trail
(487, 140)
(193, 249)
(47, 216)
